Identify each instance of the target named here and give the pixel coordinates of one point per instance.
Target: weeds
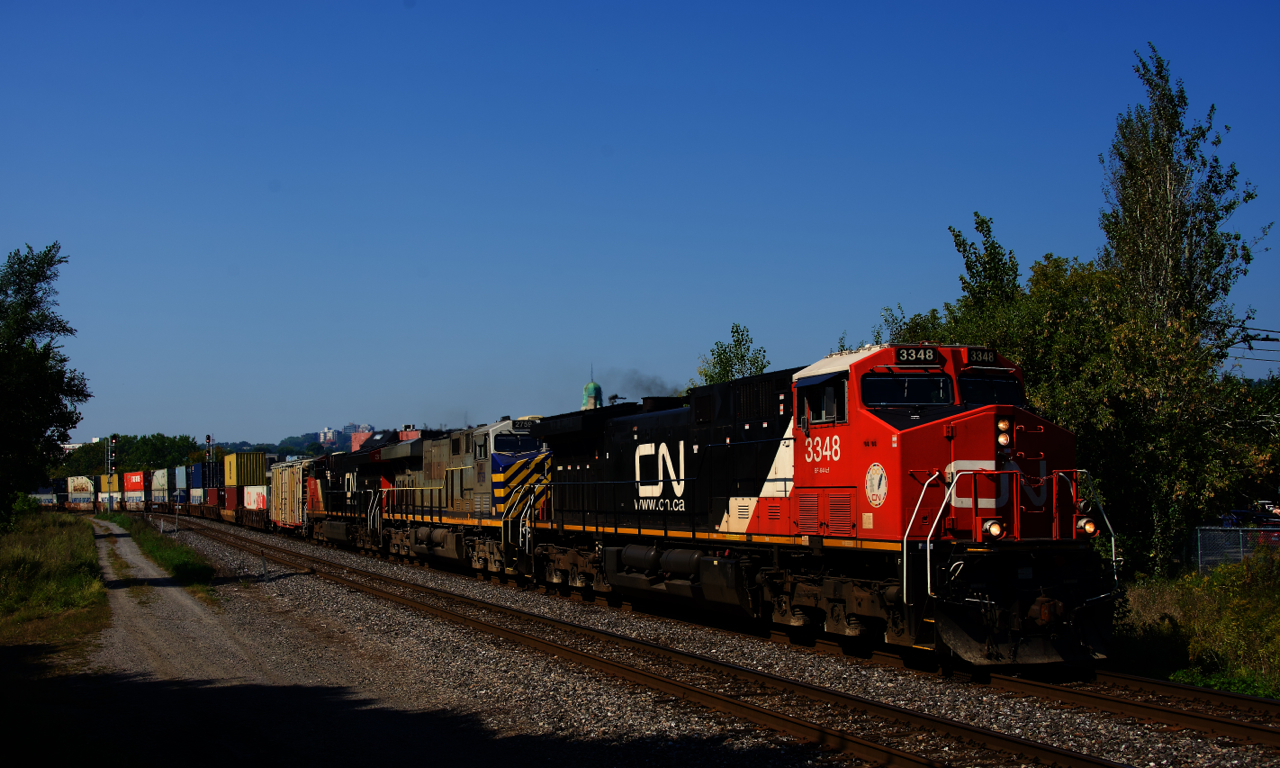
(184, 564)
(1220, 630)
(50, 583)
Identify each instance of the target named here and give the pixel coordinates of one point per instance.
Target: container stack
(109, 492)
(195, 479)
(178, 492)
(246, 475)
(136, 488)
(159, 486)
(80, 493)
(214, 482)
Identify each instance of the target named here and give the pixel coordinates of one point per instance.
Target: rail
(870, 751)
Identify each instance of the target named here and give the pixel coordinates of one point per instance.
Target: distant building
(353, 428)
(69, 447)
(592, 396)
(328, 435)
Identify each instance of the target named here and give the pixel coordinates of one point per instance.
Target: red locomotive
(903, 490)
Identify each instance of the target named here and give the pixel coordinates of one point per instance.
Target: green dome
(592, 396)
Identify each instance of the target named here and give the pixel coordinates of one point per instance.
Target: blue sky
(285, 216)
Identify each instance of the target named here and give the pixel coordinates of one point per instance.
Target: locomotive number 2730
(819, 448)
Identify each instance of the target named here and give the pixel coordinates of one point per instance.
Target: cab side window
(824, 402)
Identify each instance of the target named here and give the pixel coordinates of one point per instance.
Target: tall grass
(184, 564)
(1221, 629)
(48, 567)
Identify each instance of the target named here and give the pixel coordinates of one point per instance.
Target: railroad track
(392, 589)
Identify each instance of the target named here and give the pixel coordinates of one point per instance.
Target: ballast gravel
(548, 710)
(515, 691)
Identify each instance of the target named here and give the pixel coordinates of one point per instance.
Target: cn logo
(665, 467)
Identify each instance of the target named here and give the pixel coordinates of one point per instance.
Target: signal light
(992, 529)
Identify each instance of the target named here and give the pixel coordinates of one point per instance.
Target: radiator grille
(809, 513)
(841, 514)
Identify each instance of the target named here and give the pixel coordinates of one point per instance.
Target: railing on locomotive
(978, 519)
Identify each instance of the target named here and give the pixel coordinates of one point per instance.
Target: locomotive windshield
(887, 390)
(992, 390)
(509, 443)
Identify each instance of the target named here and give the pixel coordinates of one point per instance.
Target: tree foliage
(134, 453)
(41, 391)
(732, 360)
(1126, 350)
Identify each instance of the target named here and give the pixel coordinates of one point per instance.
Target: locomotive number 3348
(819, 448)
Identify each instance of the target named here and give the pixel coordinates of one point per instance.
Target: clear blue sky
(285, 216)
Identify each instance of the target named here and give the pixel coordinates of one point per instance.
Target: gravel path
(300, 669)
(1120, 739)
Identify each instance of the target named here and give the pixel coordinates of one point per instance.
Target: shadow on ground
(113, 719)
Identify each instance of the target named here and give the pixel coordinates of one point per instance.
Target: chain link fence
(1216, 546)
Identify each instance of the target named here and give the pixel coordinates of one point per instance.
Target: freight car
(902, 492)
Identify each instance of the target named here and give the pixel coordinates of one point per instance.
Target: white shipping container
(135, 497)
(255, 497)
(80, 498)
(47, 499)
(179, 477)
(160, 480)
(116, 498)
(197, 495)
(80, 485)
(158, 496)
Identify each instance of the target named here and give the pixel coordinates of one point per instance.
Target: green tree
(41, 391)
(731, 361)
(1126, 350)
(1168, 201)
(134, 453)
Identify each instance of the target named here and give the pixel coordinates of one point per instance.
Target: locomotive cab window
(894, 390)
(482, 447)
(823, 401)
(511, 443)
(992, 390)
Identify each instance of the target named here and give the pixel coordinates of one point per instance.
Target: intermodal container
(179, 477)
(231, 497)
(245, 469)
(59, 485)
(80, 492)
(134, 501)
(109, 483)
(158, 495)
(115, 498)
(255, 497)
(178, 496)
(195, 476)
(213, 497)
(160, 480)
(46, 499)
(214, 477)
(136, 481)
(197, 495)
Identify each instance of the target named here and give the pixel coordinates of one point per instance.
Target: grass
(184, 564)
(1220, 630)
(51, 588)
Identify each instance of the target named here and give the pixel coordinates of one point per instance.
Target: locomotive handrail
(1115, 573)
(928, 550)
(906, 595)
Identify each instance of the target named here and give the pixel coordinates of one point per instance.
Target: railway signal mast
(111, 460)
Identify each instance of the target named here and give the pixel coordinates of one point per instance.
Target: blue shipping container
(195, 476)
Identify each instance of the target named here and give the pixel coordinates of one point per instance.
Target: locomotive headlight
(1003, 438)
(1087, 526)
(1003, 425)
(992, 529)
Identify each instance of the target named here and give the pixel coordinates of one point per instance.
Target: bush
(1220, 630)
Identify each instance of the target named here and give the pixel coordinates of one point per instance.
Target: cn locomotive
(903, 492)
